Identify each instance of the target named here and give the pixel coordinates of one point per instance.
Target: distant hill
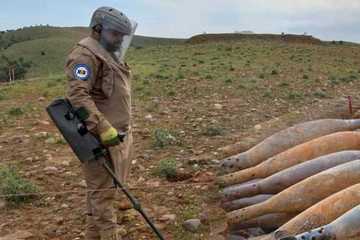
(10, 37)
(245, 32)
(247, 35)
(46, 47)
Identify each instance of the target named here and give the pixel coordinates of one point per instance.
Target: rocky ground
(202, 106)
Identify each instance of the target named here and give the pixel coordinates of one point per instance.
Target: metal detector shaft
(134, 201)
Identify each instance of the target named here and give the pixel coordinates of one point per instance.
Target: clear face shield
(115, 41)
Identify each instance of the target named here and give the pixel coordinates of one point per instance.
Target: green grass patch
(11, 183)
(212, 131)
(3, 96)
(320, 94)
(16, 111)
(166, 168)
(163, 137)
(295, 95)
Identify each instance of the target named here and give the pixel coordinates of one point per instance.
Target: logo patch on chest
(82, 72)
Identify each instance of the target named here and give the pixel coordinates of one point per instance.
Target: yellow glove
(110, 137)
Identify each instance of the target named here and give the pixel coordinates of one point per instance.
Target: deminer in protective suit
(99, 81)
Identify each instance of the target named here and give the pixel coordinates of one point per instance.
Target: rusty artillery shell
(287, 139)
(345, 227)
(335, 142)
(288, 177)
(303, 194)
(268, 223)
(323, 212)
(245, 202)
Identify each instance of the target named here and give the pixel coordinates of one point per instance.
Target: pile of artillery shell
(299, 179)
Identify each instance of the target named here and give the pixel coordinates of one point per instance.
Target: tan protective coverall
(106, 93)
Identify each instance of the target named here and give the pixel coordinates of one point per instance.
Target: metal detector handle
(136, 204)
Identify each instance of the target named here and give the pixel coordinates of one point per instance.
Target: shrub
(166, 168)
(16, 111)
(163, 138)
(212, 131)
(12, 183)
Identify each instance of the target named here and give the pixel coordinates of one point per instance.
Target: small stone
(258, 127)
(218, 106)
(152, 183)
(41, 99)
(122, 231)
(69, 173)
(50, 140)
(141, 179)
(51, 169)
(49, 157)
(215, 161)
(159, 226)
(59, 220)
(168, 218)
(2, 204)
(130, 215)
(204, 217)
(141, 167)
(41, 134)
(203, 176)
(83, 184)
(160, 210)
(192, 225)
(43, 122)
(65, 163)
(149, 117)
(205, 188)
(64, 205)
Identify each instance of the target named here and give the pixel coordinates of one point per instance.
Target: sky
(325, 19)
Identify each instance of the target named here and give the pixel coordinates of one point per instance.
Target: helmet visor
(117, 42)
(127, 39)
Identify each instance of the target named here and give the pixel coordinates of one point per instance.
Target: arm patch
(82, 72)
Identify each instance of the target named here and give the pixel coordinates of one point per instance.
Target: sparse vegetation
(166, 168)
(16, 111)
(177, 85)
(2, 95)
(163, 138)
(211, 131)
(11, 183)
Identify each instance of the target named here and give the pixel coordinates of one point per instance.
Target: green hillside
(46, 47)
